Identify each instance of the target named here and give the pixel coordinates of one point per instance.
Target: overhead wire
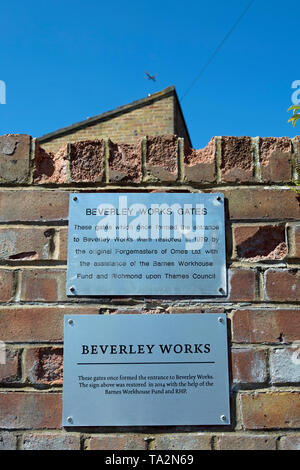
(220, 45)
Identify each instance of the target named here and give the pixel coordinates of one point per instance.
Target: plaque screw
(219, 198)
(75, 198)
(69, 419)
(223, 418)
(220, 320)
(221, 290)
(70, 321)
(72, 289)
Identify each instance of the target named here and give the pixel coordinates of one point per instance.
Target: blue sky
(64, 61)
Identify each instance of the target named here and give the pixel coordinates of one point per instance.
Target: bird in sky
(150, 77)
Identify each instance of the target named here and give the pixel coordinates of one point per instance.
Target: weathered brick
(19, 243)
(51, 441)
(63, 244)
(116, 442)
(236, 441)
(242, 285)
(8, 441)
(275, 159)
(30, 410)
(282, 285)
(33, 205)
(14, 158)
(47, 285)
(266, 326)
(161, 161)
(86, 161)
(37, 324)
(296, 241)
(192, 309)
(44, 365)
(123, 310)
(9, 365)
(50, 168)
(237, 161)
(272, 410)
(199, 165)
(124, 162)
(265, 204)
(285, 364)
(290, 442)
(6, 285)
(248, 366)
(256, 243)
(183, 442)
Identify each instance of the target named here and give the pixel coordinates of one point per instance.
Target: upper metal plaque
(146, 244)
(135, 370)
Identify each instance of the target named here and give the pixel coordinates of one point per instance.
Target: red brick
(161, 158)
(44, 365)
(6, 285)
(276, 159)
(54, 441)
(116, 442)
(183, 442)
(256, 243)
(248, 366)
(27, 410)
(8, 441)
(265, 204)
(236, 441)
(282, 285)
(200, 164)
(50, 168)
(241, 285)
(273, 410)
(14, 158)
(9, 367)
(37, 324)
(47, 285)
(125, 162)
(237, 161)
(86, 161)
(33, 205)
(266, 326)
(30, 243)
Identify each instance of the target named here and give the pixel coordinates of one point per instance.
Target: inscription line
(124, 363)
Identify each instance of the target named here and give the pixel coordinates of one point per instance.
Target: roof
(115, 112)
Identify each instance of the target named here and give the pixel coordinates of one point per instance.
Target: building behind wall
(154, 115)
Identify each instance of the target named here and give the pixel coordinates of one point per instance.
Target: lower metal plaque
(145, 370)
(146, 244)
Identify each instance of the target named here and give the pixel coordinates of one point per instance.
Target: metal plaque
(145, 370)
(146, 244)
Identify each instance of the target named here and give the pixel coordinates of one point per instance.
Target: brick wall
(263, 259)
